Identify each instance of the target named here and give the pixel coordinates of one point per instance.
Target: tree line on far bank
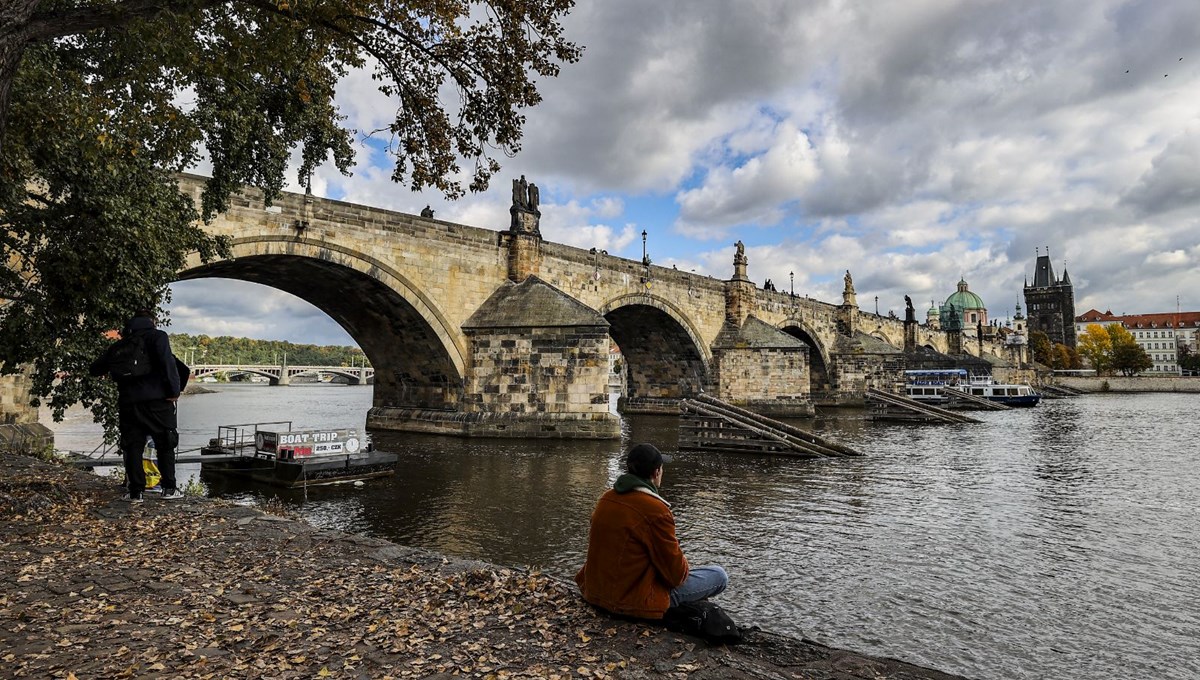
(1108, 349)
(202, 349)
(1112, 349)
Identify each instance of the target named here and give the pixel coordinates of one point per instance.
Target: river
(1053, 542)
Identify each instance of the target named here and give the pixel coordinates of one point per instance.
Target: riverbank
(94, 588)
(1139, 383)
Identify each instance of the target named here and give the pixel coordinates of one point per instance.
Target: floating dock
(281, 456)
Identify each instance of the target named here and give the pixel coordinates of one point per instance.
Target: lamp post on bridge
(876, 305)
(645, 257)
(792, 283)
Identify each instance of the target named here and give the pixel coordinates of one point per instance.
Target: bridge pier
(538, 369)
(755, 365)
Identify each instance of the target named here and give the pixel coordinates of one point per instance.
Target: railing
(235, 438)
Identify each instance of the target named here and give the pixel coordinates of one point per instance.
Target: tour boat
(276, 454)
(929, 386)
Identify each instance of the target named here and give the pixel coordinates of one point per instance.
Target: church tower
(1050, 302)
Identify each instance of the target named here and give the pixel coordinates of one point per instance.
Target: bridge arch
(819, 360)
(664, 355)
(419, 357)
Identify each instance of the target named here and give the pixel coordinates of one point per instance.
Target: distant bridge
(283, 374)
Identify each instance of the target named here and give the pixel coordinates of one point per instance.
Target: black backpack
(703, 619)
(128, 358)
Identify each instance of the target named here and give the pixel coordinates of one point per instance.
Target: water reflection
(1023, 547)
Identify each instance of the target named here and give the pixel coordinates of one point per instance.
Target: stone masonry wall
(14, 400)
(748, 376)
(1115, 383)
(857, 372)
(534, 371)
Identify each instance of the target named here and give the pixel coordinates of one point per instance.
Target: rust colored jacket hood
(633, 558)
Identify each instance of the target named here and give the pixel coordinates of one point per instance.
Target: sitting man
(634, 564)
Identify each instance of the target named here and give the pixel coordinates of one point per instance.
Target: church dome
(965, 299)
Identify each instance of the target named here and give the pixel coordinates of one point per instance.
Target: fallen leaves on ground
(202, 589)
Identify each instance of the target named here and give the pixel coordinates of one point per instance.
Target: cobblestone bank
(198, 588)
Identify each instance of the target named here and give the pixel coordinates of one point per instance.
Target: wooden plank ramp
(967, 400)
(888, 406)
(1059, 391)
(709, 424)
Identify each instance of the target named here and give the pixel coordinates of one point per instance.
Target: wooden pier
(709, 424)
(888, 406)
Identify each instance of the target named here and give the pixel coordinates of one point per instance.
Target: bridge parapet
(407, 288)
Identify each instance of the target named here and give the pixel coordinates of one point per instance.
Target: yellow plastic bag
(153, 476)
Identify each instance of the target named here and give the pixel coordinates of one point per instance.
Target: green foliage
(202, 349)
(102, 102)
(195, 488)
(1064, 357)
(1043, 350)
(1189, 360)
(1128, 357)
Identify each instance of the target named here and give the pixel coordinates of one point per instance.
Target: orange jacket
(633, 558)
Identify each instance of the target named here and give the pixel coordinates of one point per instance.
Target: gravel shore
(200, 588)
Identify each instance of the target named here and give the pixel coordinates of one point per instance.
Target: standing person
(146, 407)
(634, 564)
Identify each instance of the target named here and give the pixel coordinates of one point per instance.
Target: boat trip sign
(308, 442)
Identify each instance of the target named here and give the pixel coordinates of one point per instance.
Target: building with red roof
(1161, 335)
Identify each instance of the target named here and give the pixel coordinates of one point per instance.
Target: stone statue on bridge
(525, 195)
(427, 212)
(740, 256)
(910, 314)
(849, 283)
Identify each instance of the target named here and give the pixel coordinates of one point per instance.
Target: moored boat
(929, 386)
(276, 454)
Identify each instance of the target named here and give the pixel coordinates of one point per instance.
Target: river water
(1053, 542)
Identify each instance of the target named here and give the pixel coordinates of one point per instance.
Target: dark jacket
(162, 382)
(633, 558)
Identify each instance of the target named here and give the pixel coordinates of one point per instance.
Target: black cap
(644, 459)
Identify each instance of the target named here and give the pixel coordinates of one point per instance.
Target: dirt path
(93, 588)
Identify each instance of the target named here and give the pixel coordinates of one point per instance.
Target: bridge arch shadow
(664, 357)
(419, 362)
(820, 382)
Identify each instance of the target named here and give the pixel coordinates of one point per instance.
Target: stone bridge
(497, 332)
(283, 374)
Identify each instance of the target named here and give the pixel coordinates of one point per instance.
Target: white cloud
(912, 143)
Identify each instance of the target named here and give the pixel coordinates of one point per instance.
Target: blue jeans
(701, 582)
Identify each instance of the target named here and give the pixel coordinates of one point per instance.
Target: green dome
(965, 299)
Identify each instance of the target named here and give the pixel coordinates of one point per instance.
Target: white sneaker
(172, 495)
(131, 499)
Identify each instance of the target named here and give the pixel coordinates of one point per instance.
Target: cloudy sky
(911, 142)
